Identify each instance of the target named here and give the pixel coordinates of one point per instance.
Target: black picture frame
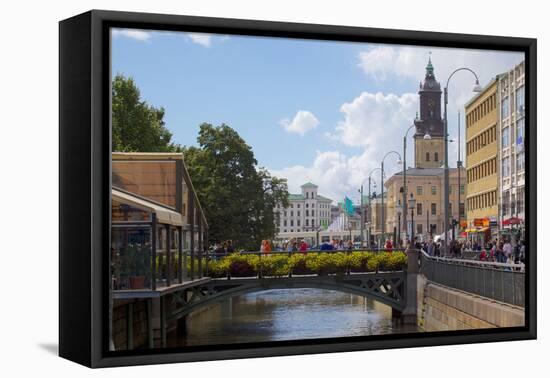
(85, 179)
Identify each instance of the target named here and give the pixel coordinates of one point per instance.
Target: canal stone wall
(441, 308)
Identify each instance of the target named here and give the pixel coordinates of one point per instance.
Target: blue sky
(311, 110)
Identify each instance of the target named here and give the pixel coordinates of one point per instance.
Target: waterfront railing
(498, 281)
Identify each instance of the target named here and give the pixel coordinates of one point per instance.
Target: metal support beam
(130, 326)
(180, 254)
(150, 337)
(153, 251)
(163, 321)
(192, 241)
(168, 255)
(199, 225)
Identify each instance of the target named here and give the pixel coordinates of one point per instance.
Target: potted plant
(136, 263)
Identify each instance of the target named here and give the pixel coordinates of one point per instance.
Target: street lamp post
(382, 186)
(458, 166)
(412, 204)
(399, 226)
(362, 227)
(427, 221)
(476, 88)
(370, 207)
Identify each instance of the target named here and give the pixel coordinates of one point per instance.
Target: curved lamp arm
(392, 152)
(462, 69)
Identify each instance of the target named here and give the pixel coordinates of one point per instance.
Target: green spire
(429, 67)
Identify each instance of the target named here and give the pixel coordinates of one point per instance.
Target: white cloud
(373, 122)
(200, 38)
(336, 174)
(371, 119)
(407, 64)
(140, 35)
(303, 122)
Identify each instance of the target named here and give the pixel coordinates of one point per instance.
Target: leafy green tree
(237, 196)
(137, 126)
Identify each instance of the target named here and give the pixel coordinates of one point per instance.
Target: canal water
(288, 314)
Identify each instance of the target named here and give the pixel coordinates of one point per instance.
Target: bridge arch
(387, 288)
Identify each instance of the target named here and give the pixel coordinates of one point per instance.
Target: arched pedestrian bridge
(385, 287)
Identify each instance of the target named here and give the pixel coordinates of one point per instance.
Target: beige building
(482, 135)
(426, 186)
(374, 215)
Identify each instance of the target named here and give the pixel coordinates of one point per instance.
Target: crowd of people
(501, 250)
(222, 249)
(497, 250)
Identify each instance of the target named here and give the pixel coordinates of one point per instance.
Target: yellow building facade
(482, 137)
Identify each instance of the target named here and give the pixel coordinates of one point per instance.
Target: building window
(521, 200)
(292, 206)
(506, 166)
(291, 213)
(298, 223)
(312, 213)
(284, 230)
(462, 210)
(520, 130)
(312, 205)
(307, 205)
(285, 213)
(520, 161)
(284, 223)
(505, 137)
(418, 228)
(427, 156)
(505, 107)
(298, 212)
(291, 223)
(436, 157)
(434, 209)
(461, 189)
(298, 207)
(520, 100)
(418, 209)
(307, 195)
(419, 190)
(307, 213)
(506, 203)
(434, 190)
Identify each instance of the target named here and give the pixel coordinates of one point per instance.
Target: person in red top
(389, 245)
(303, 247)
(483, 255)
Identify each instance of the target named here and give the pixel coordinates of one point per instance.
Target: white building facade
(512, 144)
(307, 211)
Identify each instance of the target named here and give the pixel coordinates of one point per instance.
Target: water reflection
(288, 314)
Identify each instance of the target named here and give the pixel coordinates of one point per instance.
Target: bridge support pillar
(410, 313)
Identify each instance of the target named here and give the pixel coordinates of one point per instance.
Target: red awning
(511, 221)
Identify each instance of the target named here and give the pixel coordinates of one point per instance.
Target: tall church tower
(429, 152)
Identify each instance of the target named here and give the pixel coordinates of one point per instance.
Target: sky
(319, 111)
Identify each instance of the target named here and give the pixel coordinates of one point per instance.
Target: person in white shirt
(507, 249)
